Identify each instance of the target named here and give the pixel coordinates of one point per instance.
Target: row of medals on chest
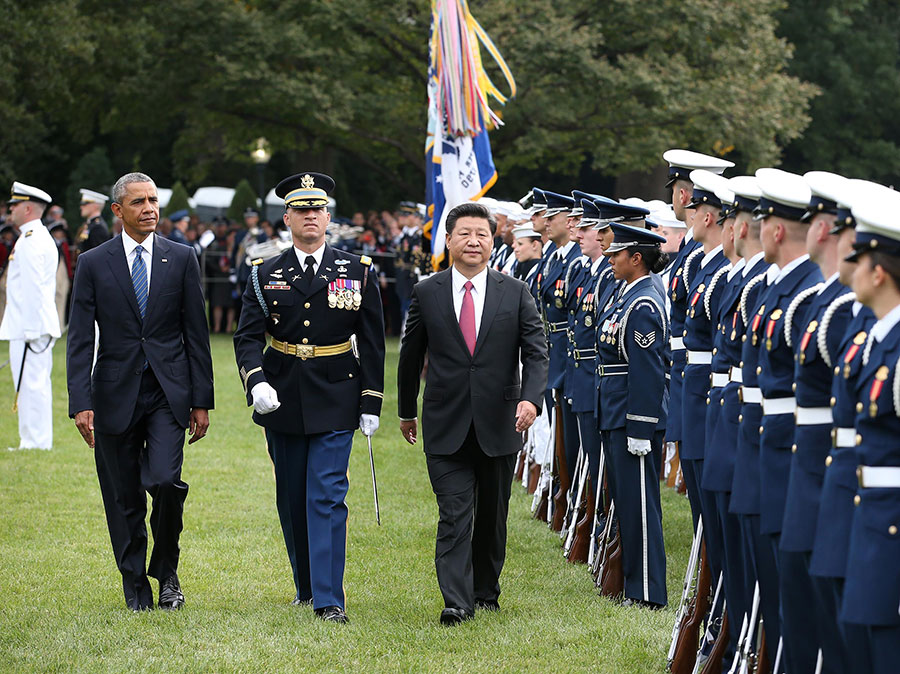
(345, 293)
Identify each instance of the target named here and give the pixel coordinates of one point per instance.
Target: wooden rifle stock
(521, 462)
(534, 476)
(714, 663)
(562, 472)
(689, 635)
(612, 580)
(762, 659)
(584, 529)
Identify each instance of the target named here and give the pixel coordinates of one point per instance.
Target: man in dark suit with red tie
(476, 326)
(152, 380)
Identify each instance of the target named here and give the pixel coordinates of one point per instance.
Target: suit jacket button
(143, 339)
(472, 369)
(138, 371)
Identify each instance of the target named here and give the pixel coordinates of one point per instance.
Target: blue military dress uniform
(576, 276)
(323, 387)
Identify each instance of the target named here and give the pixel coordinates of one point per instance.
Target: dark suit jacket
(462, 389)
(173, 337)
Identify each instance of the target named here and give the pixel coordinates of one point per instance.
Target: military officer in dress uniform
(632, 360)
(309, 388)
(681, 163)
(812, 387)
(527, 247)
(841, 338)
(785, 197)
(872, 587)
(30, 321)
(94, 231)
(552, 296)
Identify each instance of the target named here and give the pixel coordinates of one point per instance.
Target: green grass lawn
(61, 605)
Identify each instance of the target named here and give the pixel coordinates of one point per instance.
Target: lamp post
(261, 154)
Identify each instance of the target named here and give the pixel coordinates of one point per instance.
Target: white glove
(38, 343)
(638, 447)
(265, 399)
(368, 424)
(31, 336)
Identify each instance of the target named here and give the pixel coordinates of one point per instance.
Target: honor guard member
(582, 331)
(806, 632)
(539, 224)
(697, 273)
(841, 337)
(785, 197)
(411, 258)
(552, 295)
(527, 246)
(740, 241)
(30, 321)
(681, 163)
(872, 587)
(632, 362)
(309, 388)
(94, 231)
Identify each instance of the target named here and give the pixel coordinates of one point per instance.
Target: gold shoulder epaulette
(365, 259)
(257, 261)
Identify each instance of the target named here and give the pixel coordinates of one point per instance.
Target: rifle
(761, 664)
(521, 462)
(596, 518)
(714, 661)
(583, 529)
(541, 503)
(605, 543)
(686, 592)
(612, 580)
(745, 653)
(674, 467)
(534, 476)
(713, 629)
(689, 637)
(575, 506)
(562, 473)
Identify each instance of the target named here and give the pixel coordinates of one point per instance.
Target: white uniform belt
(736, 374)
(878, 477)
(676, 343)
(843, 437)
(813, 416)
(719, 379)
(779, 406)
(610, 370)
(699, 357)
(751, 394)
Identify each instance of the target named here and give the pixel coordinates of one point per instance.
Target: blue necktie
(139, 279)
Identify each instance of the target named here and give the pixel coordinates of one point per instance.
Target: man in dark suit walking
(476, 326)
(153, 379)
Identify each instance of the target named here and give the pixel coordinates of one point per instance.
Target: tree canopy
(181, 90)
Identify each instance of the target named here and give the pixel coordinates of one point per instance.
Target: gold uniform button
(793, 449)
(707, 401)
(306, 306)
(306, 324)
(858, 439)
(759, 369)
(684, 334)
(350, 374)
(305, 340)
(740, 418)
(837, 371)
(760, 430)
(856, 500)
(892, 530)
(828, 460)
(682, 375)
(833, 401)
(721, 402)
(275, 303)
(859, 407)
(743, 338)
(741, 364)
(715, 351)
(794, 387)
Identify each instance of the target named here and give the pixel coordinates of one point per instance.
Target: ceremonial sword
(374, 483)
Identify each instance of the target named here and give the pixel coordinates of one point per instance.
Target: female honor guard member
(633, 360)
(872, 587)
(308, 389)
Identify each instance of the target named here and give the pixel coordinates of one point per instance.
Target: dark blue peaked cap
(627, 236)
(557, 203)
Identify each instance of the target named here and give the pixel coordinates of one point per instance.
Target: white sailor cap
(682, 162)
(877, 214)
(785, 195)
(23, 192)
(665, 217)
(726, 196)
(92, 197)
(525, 231)
(705, 185)
(853, 190)
(824, 188)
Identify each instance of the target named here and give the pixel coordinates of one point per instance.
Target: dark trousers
(733, 571)
(799, 607)
(146, 458)
(835, 654)
(310, 486)
(639, 514)
(762, 557)
(472, 491)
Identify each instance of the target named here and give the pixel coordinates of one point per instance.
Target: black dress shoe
(453, 616)
(487, 604)
(296, 601)
(170, 595)
(332, 614)
(641, 604)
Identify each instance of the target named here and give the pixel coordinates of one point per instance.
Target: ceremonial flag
(458, 160)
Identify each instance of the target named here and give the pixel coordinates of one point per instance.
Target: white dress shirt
(883, 326)
(130, 245)
(789, 267)
(317, 256)
(479, 283)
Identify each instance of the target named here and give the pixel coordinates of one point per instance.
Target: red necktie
(467, 318)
